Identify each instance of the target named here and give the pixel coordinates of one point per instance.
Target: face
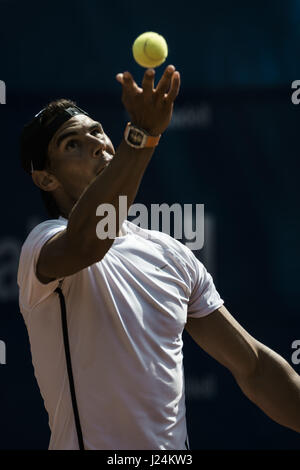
(77, 153)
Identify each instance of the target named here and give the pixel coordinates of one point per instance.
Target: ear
(44, 180)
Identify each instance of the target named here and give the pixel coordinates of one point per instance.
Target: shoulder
(35, 240)
(48, 227)
(31, 290)
(174, 247)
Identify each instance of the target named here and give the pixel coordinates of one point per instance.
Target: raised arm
(262, 374)
(78, 246)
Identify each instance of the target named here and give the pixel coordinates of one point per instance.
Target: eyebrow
(70, 133)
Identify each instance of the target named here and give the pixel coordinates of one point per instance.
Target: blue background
(233, 146)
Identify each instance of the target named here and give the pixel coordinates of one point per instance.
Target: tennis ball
(150, 49)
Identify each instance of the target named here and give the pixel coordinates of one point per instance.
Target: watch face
(135, 137)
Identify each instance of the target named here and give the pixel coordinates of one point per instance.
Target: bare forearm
(275, 388)
(122, 177)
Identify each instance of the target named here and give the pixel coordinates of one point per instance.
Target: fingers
(166, 90)
(165, 81)
(127, 81)
(174, 88)
(148, 82)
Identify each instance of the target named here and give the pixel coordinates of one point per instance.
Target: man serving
(105, 316)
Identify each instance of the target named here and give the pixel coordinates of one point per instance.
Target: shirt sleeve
(204, 298)
(31, 290)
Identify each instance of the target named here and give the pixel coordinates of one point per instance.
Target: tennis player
(105, 317)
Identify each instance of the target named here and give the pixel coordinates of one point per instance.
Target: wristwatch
(138, 138)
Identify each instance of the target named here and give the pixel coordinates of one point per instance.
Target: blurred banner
(232, 146)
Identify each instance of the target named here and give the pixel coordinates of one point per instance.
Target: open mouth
(107, 162)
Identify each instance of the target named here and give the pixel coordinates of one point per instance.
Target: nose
(98, 146)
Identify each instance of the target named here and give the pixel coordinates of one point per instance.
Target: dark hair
(49, 113)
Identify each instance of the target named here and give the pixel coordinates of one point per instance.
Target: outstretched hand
(150, 108)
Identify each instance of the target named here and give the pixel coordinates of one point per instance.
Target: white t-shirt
(126, 315)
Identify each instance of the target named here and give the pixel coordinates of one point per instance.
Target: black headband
(37, 135)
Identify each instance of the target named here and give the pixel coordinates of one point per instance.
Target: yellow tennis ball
(150, 49)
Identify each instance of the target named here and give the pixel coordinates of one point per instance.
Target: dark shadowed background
(232, 146)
